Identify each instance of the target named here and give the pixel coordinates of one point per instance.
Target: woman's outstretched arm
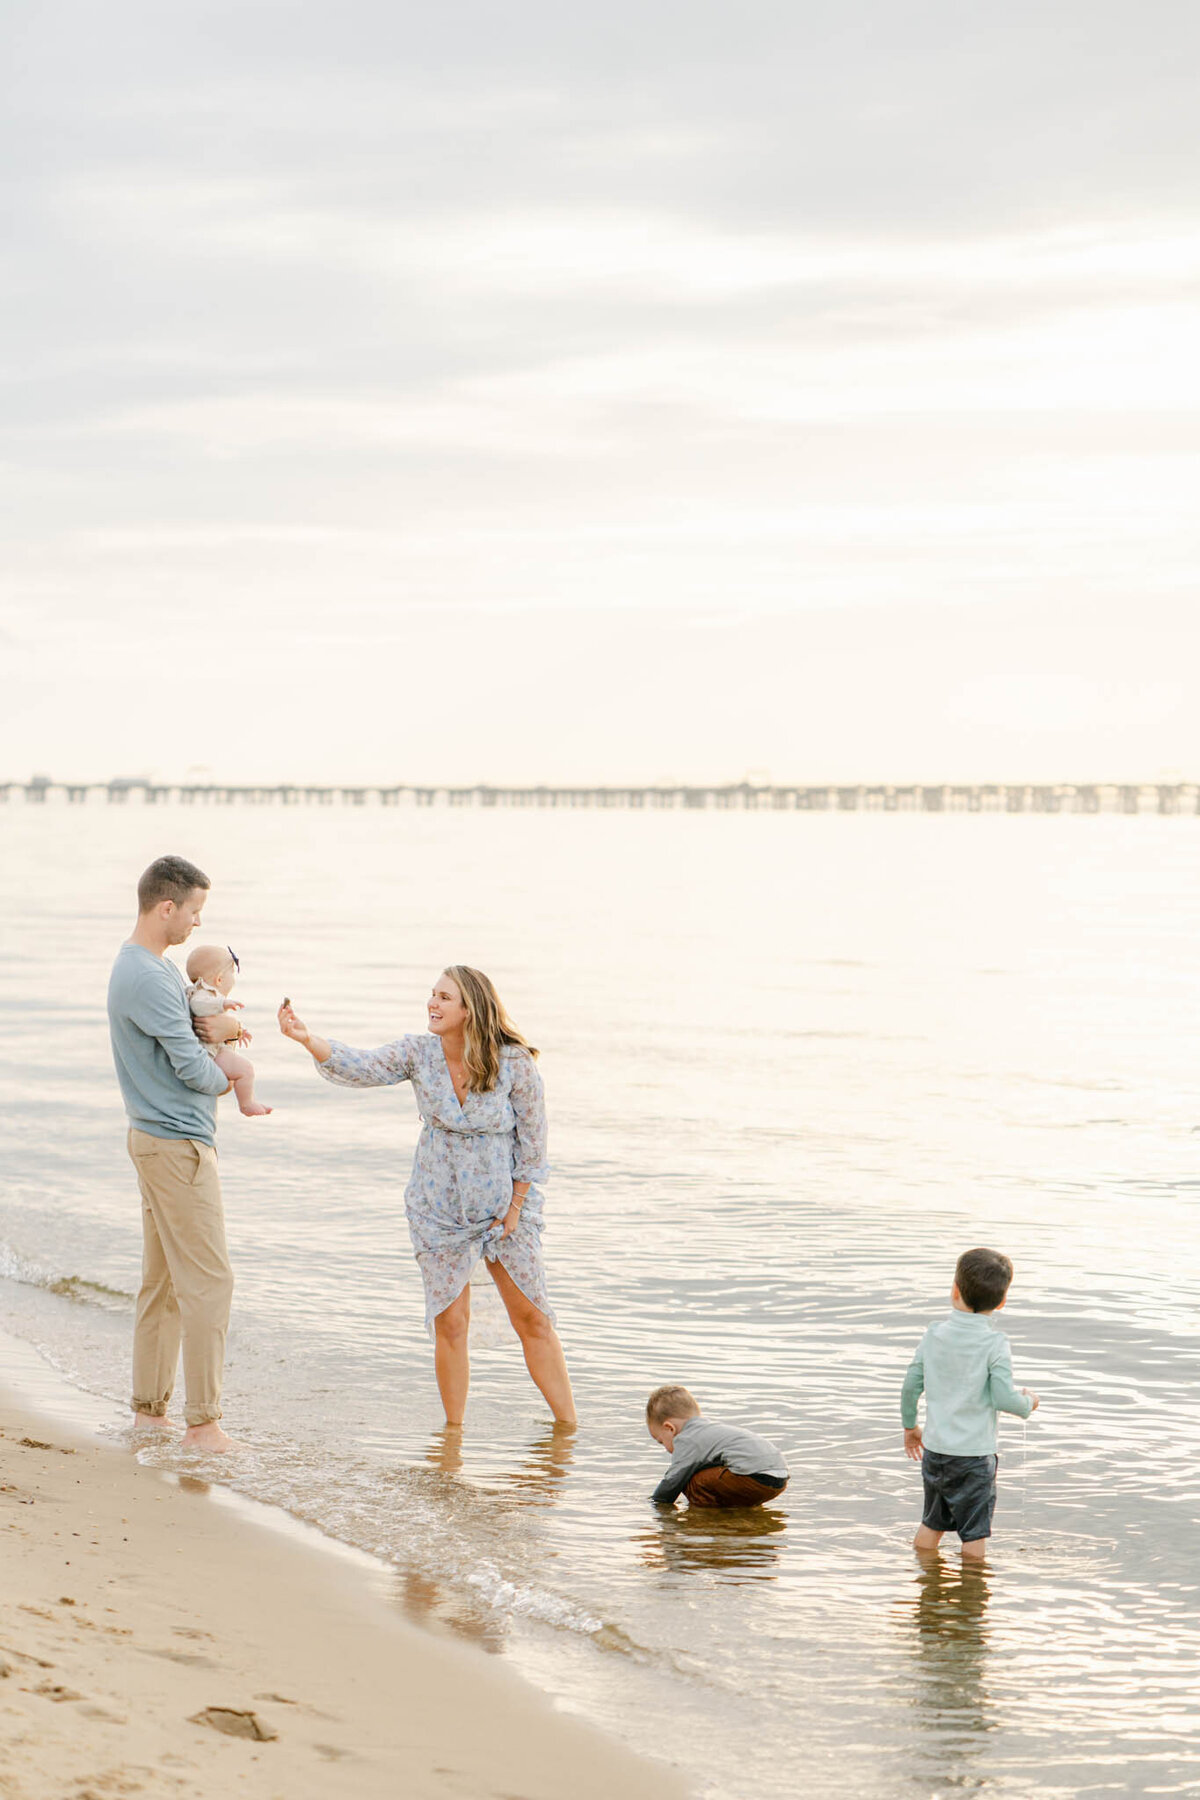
(345, 1067)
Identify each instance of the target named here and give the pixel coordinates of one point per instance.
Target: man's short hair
(169, 878)
(982, 1278)
(672, 1402)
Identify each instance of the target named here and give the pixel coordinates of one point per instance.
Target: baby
(211, 969)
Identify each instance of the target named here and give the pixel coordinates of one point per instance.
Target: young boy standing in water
(964, 1367)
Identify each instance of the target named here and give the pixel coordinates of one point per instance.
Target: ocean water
(794, 1064)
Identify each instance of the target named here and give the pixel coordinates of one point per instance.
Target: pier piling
(1165, 799)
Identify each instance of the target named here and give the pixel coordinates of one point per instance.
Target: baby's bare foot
(254, 1109)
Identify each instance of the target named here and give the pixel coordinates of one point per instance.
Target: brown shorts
(721, 1487)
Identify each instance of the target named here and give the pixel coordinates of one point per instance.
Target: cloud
(329, 329)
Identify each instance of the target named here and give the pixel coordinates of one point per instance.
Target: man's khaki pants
(187, 1284)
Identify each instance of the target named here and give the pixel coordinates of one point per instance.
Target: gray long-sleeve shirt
(706, 1444)
(168, 1082)
(964, 1366)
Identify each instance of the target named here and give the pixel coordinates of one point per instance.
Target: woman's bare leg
(451, 1358)
(543, 1353)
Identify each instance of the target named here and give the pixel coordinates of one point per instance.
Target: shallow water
(794, 1064)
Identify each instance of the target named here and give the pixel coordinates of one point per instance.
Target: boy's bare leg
(975, 1550)
(926, 1539)
(240, 1074)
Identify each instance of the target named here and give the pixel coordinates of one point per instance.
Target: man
(170, 1088)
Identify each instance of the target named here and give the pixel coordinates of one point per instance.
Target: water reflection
(445, 1450)
(951, 1639)
(546, 1463)
(429, 1602)
(739, 1543)
(536, 1478)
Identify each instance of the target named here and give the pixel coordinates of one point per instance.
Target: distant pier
(743, 796)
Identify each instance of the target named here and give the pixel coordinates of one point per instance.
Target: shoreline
(133, 1604)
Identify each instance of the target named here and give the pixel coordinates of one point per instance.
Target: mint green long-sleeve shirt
(963, 1365)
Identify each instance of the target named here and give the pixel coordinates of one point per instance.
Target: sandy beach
(141, 1623)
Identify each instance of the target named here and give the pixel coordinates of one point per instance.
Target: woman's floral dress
(467, 1158)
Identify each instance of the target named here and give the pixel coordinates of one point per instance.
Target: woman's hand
(318, 1048)
(291, 1026)
(512, 1218)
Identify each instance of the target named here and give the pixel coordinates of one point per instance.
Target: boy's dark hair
(982, 1278)
(169, 878)
(673, 1402)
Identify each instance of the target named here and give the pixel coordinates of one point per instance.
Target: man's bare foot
(208, 1436)
(254, 1109)
(151, 1422)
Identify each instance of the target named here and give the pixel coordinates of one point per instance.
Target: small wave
(528, 1601)
(443, 1522)
(14, 1267)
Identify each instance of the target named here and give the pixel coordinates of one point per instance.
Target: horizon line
(744, 784)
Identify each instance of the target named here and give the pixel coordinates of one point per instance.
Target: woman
(481, 1149)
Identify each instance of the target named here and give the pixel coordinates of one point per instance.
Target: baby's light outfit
(206, 1002)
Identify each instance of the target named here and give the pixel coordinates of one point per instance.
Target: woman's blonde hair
(487, 1029)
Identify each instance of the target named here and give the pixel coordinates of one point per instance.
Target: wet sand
(141, 1623)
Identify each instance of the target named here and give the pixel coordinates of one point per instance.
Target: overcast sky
(548, 392)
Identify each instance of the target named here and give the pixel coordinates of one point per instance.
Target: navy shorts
(960, 1494)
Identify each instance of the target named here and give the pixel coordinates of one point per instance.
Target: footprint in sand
(50, 1690)
(24, 1656)
(234, 1723)
(190, 1659)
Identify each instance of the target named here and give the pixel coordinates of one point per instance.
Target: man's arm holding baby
(161, 1012)
(223, 1028)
